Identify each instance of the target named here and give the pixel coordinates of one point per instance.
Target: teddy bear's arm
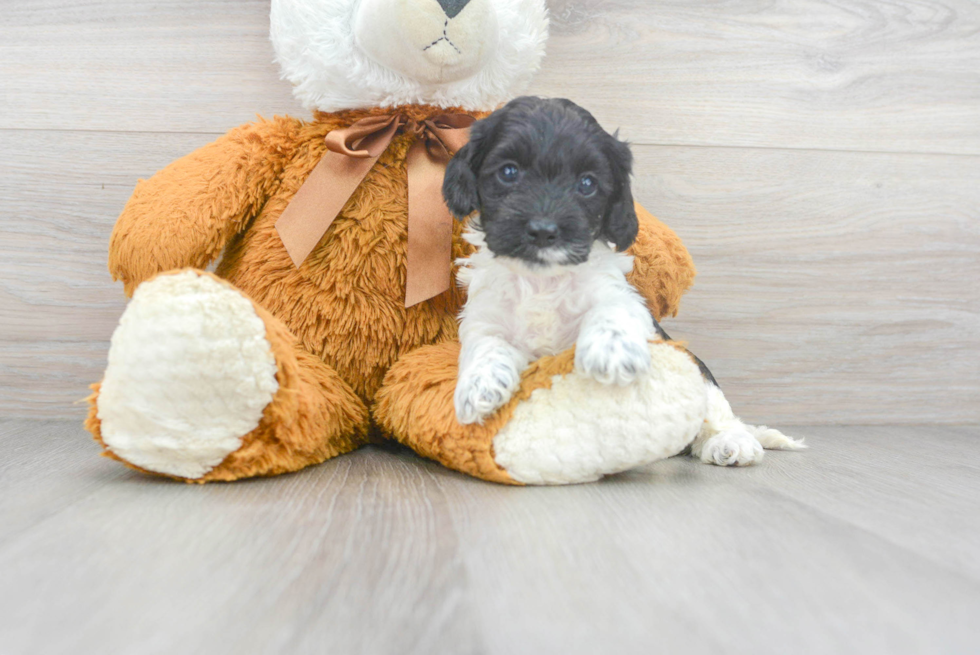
(662, 269)
(185, 214)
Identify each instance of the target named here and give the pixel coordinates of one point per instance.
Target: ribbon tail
(319, 201)
(430, 229)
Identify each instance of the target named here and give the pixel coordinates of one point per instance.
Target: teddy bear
(330, 319)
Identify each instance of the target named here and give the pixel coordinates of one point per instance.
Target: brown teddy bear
(334, 323)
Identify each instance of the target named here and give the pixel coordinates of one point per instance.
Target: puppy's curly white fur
(517, 313)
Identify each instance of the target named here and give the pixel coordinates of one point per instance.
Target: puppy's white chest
(542, 311)
(547, 316)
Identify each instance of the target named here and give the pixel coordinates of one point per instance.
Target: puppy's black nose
(453, 7)
(542, 232)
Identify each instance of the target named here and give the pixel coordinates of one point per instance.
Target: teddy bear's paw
(611, 355)
(484, 389)
(579, 429)
(735, 446)
(190, 373)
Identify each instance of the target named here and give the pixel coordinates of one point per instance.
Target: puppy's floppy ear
(459, 186)
(620, 225)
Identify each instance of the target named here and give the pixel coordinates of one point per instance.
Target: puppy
(548, 192)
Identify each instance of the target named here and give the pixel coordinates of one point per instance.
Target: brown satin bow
(351, 153)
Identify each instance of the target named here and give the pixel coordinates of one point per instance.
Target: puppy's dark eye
(509, 173)
(588, 185)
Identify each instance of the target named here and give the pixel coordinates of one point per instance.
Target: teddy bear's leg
(561, 427)
(204, 385)
(726, 441)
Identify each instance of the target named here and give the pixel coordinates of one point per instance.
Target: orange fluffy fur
(343, 339)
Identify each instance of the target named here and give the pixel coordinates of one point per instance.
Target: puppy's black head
(547, 180)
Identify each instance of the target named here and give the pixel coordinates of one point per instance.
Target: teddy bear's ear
(621, 224)
(459, 186)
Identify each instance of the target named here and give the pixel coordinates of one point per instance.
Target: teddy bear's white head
(347, 54)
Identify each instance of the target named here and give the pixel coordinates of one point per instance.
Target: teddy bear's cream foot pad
(579, 430)
(190, 373)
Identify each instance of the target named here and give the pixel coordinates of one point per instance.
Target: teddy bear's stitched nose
(452, 7)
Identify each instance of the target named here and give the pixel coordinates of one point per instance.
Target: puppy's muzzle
(542, 232)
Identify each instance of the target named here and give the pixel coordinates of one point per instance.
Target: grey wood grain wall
(820, 158)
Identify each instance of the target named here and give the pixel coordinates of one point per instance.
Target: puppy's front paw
(483, 390)
(611, 355)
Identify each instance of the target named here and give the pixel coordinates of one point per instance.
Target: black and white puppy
(548, 193)
(552, 189)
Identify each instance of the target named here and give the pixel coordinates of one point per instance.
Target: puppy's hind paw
(733, 447)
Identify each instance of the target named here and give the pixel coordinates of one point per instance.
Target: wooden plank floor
(867, 543)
